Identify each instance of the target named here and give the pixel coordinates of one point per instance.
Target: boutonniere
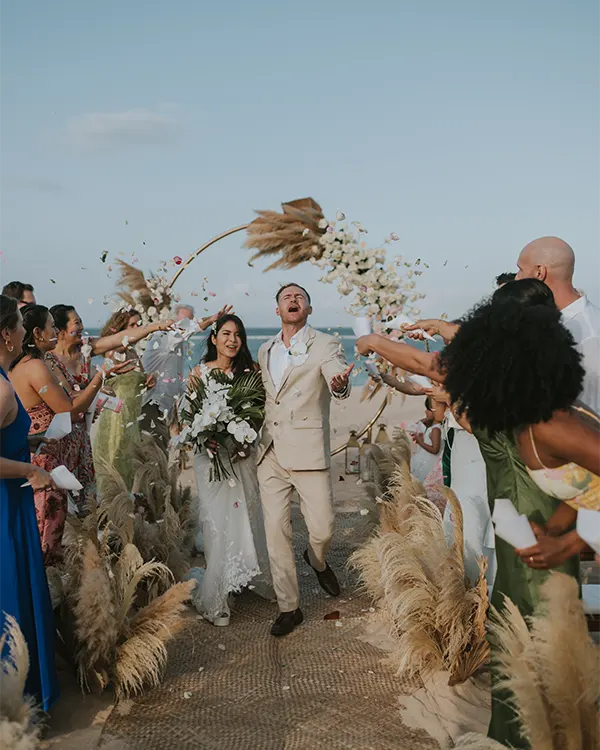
(298, 353)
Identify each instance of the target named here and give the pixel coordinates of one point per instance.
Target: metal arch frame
(228, 233)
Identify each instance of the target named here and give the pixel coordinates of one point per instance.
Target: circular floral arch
(374, 286)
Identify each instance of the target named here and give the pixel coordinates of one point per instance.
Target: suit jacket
(297, 413)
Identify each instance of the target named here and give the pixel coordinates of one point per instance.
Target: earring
(10, 346)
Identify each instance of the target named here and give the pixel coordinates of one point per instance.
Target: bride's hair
(243, 360)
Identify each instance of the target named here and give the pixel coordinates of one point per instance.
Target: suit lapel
(264, 364)
(288, 372)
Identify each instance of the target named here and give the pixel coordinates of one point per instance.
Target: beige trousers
(316, 502)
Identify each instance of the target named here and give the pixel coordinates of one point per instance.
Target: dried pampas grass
(95, 616)
(155, 515)
(437, 618)
(294, 234)
(18, 730)
(107, 586)
(550, 666)
(143, 656)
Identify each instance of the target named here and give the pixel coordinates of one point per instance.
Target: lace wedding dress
(235, 547)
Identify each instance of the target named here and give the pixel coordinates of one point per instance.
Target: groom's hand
(339, 383)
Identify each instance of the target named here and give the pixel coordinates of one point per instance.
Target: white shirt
(280, 356)
(582, 319)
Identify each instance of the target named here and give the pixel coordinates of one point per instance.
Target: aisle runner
(237, 688)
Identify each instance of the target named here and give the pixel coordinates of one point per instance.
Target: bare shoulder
(32, 370)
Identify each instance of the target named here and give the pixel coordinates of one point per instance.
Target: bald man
(551, 260)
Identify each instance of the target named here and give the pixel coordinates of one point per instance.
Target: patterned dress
(81, 461)
(51, 504)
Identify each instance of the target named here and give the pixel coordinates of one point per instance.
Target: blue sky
(467, 128)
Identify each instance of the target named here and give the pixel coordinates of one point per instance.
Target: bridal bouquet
(222, 416)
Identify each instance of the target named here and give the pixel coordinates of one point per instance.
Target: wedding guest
(164, 356)
(429, 443)
(504, 278)
(44, 395)
(551, 260)
(24, 591)
(75, 350)
(23, 293)
(507, 475)
(118, 432)
(558, 437)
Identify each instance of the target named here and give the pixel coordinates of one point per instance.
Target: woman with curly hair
(514, 364)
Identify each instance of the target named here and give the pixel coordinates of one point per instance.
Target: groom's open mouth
(293, 309)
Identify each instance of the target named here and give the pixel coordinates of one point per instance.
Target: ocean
(257, 337)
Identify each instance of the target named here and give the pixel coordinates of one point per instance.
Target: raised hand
(339, 382)
(207, 322)
(364, 345)
(432, 326)
(111, 370)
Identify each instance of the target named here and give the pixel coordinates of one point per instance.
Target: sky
(146, 128)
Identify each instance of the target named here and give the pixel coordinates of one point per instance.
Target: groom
(302, 369)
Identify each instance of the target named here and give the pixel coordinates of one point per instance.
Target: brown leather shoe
(326, 578)
(287, 622)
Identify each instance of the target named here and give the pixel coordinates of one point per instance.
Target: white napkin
(371, 368)
(588, 527)
(504, 510)
(421, 380)
(517, 532)
(512, 527)
(403, 320)
(361, 327)
(64, 480)
(60, 426)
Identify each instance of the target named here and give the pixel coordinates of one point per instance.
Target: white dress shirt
(280, 356)
(582, 318)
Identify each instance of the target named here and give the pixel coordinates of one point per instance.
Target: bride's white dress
(235, 547)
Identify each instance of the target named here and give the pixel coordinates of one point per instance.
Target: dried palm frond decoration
(437, 618)
(550, 666)
(293, 235)
(150, 297)
(18, 727)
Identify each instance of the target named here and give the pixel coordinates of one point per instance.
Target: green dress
(508, 477)
(116, 434)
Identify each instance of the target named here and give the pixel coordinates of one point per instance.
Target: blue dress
(23, 585)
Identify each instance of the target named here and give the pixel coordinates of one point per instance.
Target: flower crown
(213, 327)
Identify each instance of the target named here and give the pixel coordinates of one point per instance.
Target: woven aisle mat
(238, 688)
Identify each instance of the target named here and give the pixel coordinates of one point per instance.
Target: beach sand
(76, 721)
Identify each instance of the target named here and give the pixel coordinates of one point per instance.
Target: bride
(230, 514)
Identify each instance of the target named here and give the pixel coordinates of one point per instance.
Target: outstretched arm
(402, 355)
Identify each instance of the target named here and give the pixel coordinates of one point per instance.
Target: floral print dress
(51, 504)
(81, 459)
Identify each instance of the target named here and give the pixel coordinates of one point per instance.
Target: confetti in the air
(104, 256)
(177, 260)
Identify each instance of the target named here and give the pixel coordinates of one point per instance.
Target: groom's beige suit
(294, 450)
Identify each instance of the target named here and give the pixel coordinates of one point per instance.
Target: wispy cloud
(33, 183)
(132, 128)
